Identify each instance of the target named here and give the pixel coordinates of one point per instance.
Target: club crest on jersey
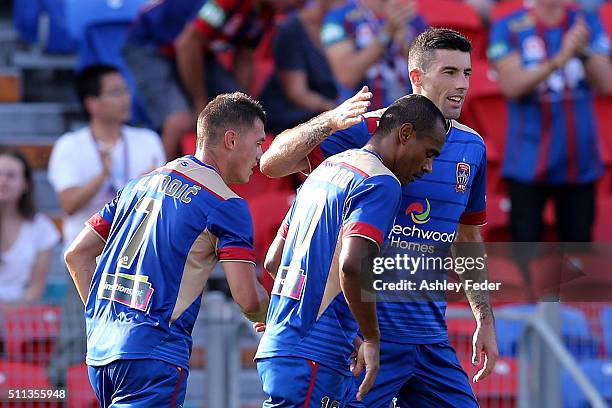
(463, 176)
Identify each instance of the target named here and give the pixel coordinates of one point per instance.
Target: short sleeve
(47, 235)
(232, 224)
(63, 167)
(288, 55)
(476, 209)
(500, 41)
(334, 28)
(372, 207)
(599, 42)
(102, 221)
(213, 15)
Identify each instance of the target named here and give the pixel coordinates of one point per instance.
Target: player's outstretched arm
(356, 260)
(246, 290)
(80, 259)
(288, 152)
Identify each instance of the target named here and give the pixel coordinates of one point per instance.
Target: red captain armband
(99, 225)
(474, 218)
(237, 254)
(364, 230)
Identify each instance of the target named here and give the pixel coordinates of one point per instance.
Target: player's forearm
(479, 300)
(243, 69)
(258, 315)
(81, 270)
(293, 146)
(364, 310)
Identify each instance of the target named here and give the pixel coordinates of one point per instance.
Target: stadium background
(37, 105)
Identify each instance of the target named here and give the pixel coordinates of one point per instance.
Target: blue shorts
(419, 376)
(139, 383)
(295, 382)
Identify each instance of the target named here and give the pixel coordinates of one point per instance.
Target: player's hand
(356, 345)
(259, 327)
(368, 357)
(574, 40)
(484, 342)
(349, 112)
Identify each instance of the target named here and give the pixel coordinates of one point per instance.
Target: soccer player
(159, 239)
(418, 365)
(332, 233)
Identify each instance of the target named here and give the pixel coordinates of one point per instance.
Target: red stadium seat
(25, 376)
(602, 230)
(504, 8)
(605, 13)
(500, 389)
(603, 111)
(498, 219)
(458, 16)
(30, 332)
(79, 388)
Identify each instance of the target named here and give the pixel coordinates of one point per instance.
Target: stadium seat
(100, 27)
(602, 229)
(25, 376)
(498, 219)
(575, 332)
(30, 332)
(605, 13)
(586, 275)
(459, 16)
(31, 15)
(268, 212)
(79, 388)
(500, 389)
(506, 7)
(599, 373)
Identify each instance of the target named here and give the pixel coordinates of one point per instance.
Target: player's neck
(209, 158)
(376, 147)
(105, 131)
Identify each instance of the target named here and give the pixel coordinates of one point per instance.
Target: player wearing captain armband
(324, 254)
(158, 242)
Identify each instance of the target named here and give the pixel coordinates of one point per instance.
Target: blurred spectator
(550, 59)
(87, 168)
(223, 25)
(149, 54)
(303, 84)
(367, 41)
(27, 238)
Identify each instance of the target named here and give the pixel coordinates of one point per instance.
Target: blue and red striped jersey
(388, 78)
(552, 132)
(164, 234)
(426, 224)
(350, 194)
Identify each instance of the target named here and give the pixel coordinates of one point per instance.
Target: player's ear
(230, 139)
(405, 133)
(416, 77)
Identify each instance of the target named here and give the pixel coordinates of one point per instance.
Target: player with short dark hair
(158, 242)
(439, 212)
(331, 234)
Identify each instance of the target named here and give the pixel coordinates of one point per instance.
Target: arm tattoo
(315, 131)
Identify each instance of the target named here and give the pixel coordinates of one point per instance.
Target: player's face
(12, 180)
(113, 103)
(446, 81)
(248, 152)
(416, 156)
